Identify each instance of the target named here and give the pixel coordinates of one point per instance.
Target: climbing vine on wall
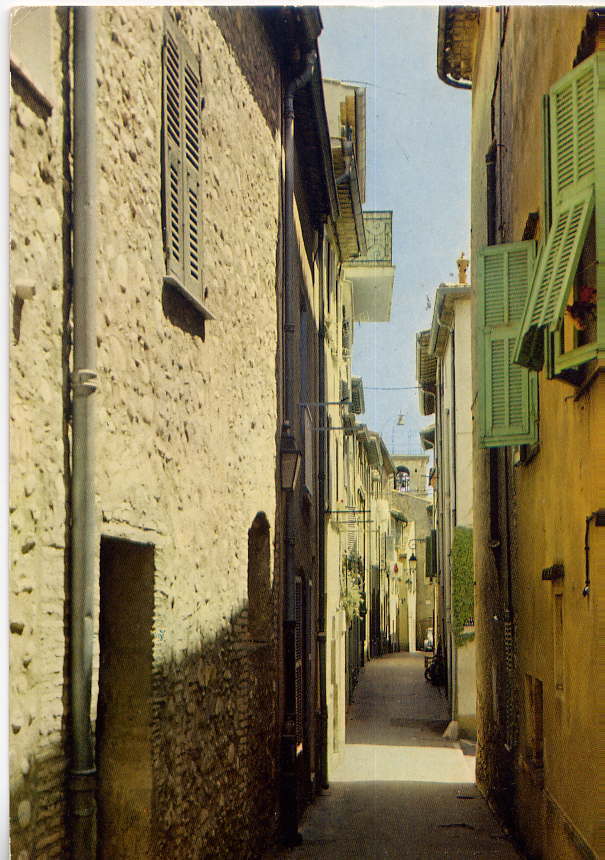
(351, 596)
(463, 583)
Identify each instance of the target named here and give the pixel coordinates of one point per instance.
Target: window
(402, 479)
(31, 50)
(534, 725)
(558, 645)
(346, 334)
(182, 188)
(508, 393)
(307, 428)
(569, 281)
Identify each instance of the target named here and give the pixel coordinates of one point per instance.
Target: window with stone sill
(181, 167)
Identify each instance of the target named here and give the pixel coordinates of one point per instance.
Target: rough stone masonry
(186, 426)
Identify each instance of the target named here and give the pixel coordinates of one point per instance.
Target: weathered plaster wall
(548, 513)
(464, 422)
(186, 423)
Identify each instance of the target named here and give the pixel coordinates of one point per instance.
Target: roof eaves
(456, 31)
(443, 315)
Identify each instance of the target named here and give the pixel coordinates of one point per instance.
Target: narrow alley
(307, 385)
(401, 790)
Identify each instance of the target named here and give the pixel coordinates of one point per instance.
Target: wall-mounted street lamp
(290, 458)
(413, 564)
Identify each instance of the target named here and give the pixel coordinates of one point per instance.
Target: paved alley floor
(401, 791)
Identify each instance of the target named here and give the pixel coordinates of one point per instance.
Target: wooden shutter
(546, 168)
(575, 110)
(507, 392)
(352, 538)
(192, 137)
(172, 158)
(554, 274)
(182, 190)
(574, 101)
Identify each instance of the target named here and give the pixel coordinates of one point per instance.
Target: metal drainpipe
(453, 515)
(323, 477)
(82, 781)
(290, 799)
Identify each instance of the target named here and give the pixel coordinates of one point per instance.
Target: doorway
(123, 732)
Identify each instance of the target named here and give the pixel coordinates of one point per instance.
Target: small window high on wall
(402, 479)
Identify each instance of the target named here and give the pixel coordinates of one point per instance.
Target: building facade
(164, 296)
(538, 409)
(444, 375)
(358, 285)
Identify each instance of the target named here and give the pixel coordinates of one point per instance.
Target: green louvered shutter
(574, 102)
(431, 554)
(507, 392)
(554, 274)
(546, 171)
(575, 151)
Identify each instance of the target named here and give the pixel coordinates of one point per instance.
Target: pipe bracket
(84, 381)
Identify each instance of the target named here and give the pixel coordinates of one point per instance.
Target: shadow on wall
(181, 312)
(37, 818)
(199, 781)
(186, 748)
(214, 748)
(247, 40)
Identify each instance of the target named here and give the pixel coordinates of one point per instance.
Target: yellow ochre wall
(553, 493)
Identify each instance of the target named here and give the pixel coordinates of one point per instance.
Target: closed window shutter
(352, 540)
(192, 136)
(172, 159)
(508, 392)
(182, 191)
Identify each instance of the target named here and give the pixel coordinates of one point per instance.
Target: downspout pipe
(323, 520)
(453, 515)
(289, 806)
(82, 776)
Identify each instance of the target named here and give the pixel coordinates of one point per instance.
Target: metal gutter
(443, 292)
(323, 776)
(82, 776)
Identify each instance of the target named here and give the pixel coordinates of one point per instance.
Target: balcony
(372, 275)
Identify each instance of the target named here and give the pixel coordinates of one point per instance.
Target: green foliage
(351, 596)
(463, 583)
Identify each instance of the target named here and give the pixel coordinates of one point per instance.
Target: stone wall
(39, 452)
(186, 430)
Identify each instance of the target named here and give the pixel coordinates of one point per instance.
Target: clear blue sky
(417, 165)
